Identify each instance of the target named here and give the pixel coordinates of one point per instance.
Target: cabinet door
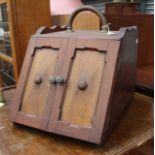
(32, 97)
(80, 103)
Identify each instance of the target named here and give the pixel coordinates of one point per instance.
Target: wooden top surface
(88, 34)
(134, 128)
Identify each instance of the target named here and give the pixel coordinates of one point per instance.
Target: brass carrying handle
(86, 8)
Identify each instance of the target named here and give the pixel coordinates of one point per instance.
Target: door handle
(82, 85)
(38, 80)
(52, 80)
(59, 80)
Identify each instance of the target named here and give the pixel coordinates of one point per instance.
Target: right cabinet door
(80, 104)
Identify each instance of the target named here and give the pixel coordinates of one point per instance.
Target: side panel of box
(124, 80)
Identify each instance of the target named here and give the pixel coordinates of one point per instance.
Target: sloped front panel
(79, 105)
(35, 96)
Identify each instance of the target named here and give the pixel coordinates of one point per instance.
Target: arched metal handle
(86, 8)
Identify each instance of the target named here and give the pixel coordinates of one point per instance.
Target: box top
(83, 34)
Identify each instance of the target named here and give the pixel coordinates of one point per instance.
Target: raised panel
(79, 105)
(35, 96)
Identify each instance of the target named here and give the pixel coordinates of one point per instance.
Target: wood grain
(35, 96)
(6, 58)
(134, 129)
(25, 17)
(3, 1)
(79, 106)
(83, 21)
(80, 22)
(145, 25)
(123, 8)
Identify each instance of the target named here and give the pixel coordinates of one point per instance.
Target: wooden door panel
(79, 105)
(77, 112)
(35, 96)
(33, 101)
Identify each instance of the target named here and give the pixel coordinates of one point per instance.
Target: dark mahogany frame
(50, 120)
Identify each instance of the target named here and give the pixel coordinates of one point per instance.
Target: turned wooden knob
(59, 80)
(38, 80)
(82, 85)
(52, 80)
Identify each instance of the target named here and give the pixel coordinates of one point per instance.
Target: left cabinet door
(32, 101)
